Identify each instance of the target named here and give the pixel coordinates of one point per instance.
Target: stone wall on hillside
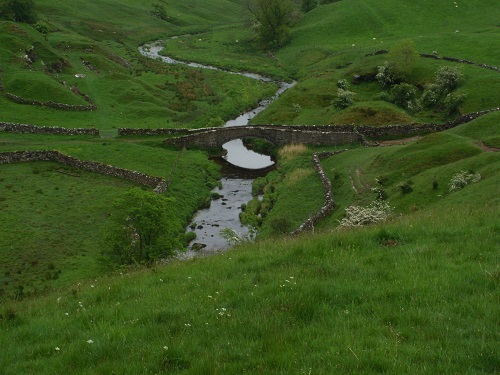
(329, 203)
(160, 131)
(158, 183)
(435, 56)
(34, 129)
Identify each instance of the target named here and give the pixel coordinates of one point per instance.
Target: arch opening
(250, 153)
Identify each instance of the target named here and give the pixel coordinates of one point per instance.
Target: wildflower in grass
(90, 341)
(57, 348)
(165, 347)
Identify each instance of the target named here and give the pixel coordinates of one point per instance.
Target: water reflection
(237, 154)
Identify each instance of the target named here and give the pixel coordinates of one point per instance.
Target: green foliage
(342, 84)
(452, 102)
(345, 98)
(272, 21)
(389, 74)
(42, 28)
(141, 228)
(19, 10)
(404, 95)
(448, 78)
(159, 11)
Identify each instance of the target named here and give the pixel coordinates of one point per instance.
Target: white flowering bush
(462, 179)
(389, 74)
(357, 216)
(342, 84)
(344, 99)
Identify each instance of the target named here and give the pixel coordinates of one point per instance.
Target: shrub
(388, 74)
(405, 95)
(452, 102)
(344, 99)
(405, 187)
(188, 237)
(380, 193)
(357, 216)
(342, 84)
(42, 28)
(448, 78)
(430, 96)
(462, 179)
(435, 184)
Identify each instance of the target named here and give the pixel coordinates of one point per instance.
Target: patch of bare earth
(394, 142)
(488, 148)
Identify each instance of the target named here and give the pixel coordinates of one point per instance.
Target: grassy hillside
(337, 41)
(417, 293)
(343, 301)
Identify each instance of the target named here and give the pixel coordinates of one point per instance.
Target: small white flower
(353, 45)
(165, 347)
(66, 314)
(57, 348)
(90, 341)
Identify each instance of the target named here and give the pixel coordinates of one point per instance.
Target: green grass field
(415, 294)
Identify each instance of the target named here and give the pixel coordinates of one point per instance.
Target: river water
(236, 181)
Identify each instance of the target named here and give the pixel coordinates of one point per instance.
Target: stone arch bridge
(278, 135)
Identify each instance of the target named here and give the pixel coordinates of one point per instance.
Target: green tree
(272, 20)
(142, 228)
(19, 10)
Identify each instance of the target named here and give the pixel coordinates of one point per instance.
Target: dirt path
(403, 141)
(487, 148)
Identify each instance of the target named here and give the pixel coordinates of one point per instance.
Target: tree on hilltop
(19, 10)
(272, 20)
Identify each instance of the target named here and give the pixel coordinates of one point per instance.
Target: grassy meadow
(415, 294)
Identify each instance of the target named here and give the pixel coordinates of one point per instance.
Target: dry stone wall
(158, 183)
(160, 131)
(34, 129)
(461, 61)
(329, 203)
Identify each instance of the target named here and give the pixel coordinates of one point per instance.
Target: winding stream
(236, 182)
